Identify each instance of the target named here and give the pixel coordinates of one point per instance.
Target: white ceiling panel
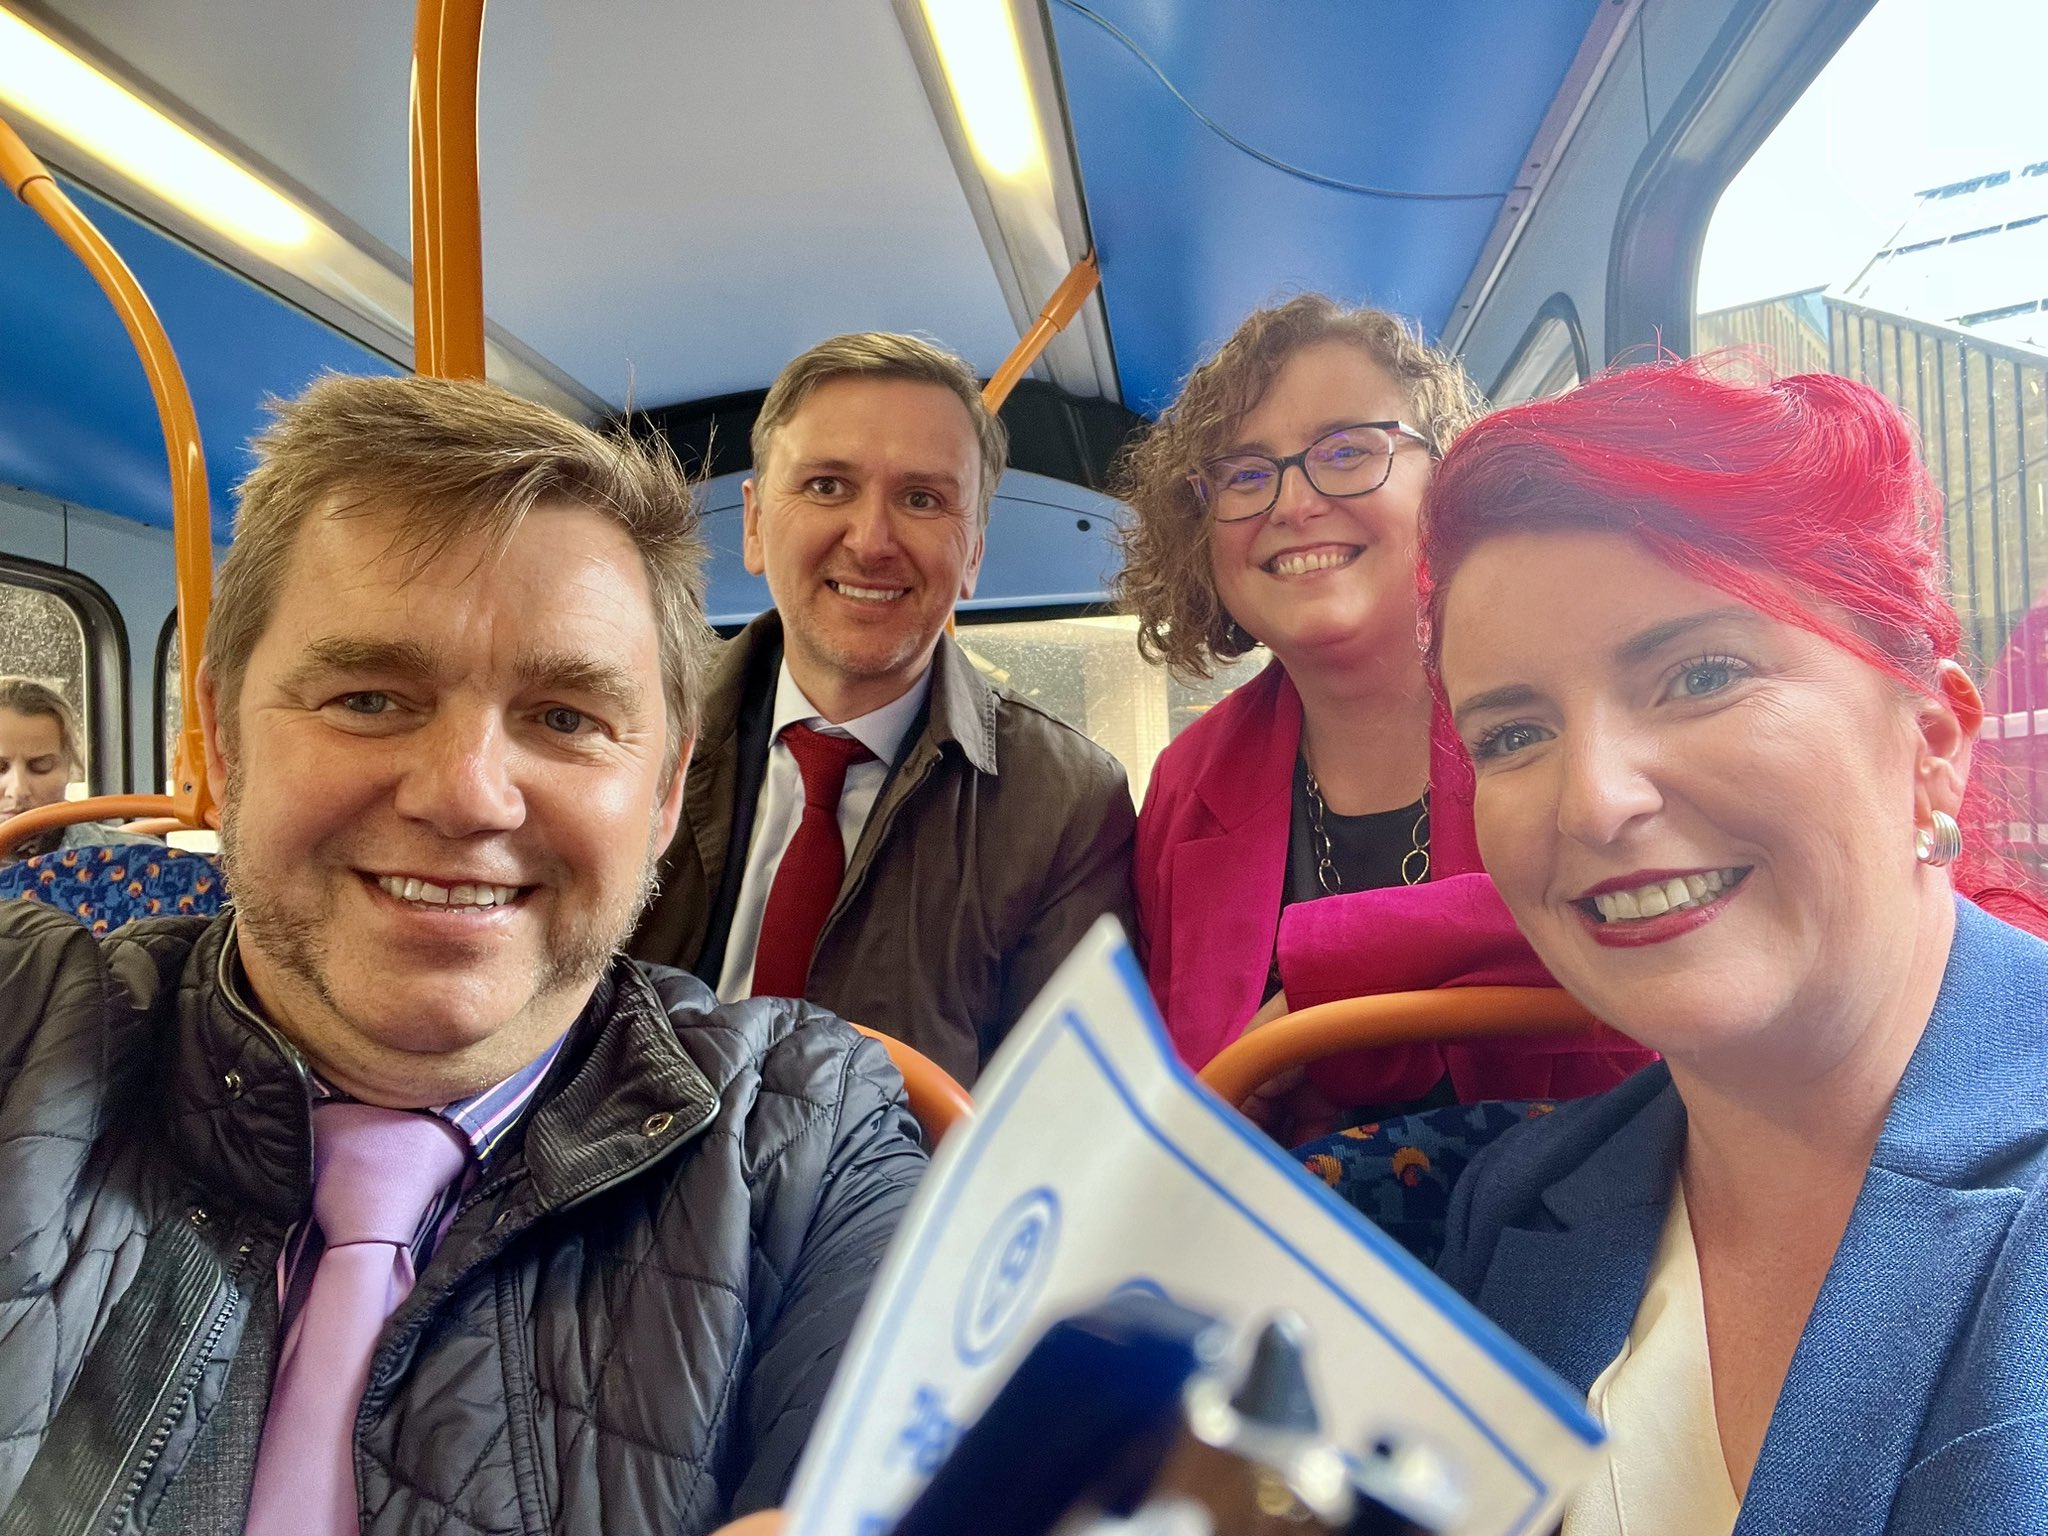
(677, 196)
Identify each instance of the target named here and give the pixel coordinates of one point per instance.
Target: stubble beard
(295, 942)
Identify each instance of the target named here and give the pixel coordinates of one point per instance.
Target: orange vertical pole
(447, 217)
(191, 517)
(1065, 303)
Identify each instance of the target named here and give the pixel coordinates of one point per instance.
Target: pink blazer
(1211, 865)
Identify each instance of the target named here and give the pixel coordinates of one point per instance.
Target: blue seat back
(107, 887)
(1399, 1171)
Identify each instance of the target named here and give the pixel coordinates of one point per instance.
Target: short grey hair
(459, 458)
(887, 355)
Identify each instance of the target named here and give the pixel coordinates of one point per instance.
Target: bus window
(170, 702)
(1894, 229)
(1085, 670)
(44, 637)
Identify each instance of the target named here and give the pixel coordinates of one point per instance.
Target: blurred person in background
(40, 753)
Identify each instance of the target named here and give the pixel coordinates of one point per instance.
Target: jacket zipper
(230, 1295)
(194, 1362)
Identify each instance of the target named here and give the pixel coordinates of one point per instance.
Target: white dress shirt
(1665, 1475)
(781, 806)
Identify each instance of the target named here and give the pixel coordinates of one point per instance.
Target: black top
(1368, 852)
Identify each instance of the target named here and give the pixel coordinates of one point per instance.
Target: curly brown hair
(1166, 578)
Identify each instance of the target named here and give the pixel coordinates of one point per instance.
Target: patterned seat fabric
(1399, 1172)
(107, 887)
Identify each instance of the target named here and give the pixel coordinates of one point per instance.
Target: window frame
(1557, 309)
(105, 709)
(1766, 55)
(160, 691)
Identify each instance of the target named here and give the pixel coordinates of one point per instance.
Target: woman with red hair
(1693, 635)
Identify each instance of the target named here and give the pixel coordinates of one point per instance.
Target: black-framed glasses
(1351, 461)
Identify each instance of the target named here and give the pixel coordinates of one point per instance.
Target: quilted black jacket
(628, 1326)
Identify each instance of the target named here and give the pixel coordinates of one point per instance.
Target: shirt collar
(482, 1118)
(881, 731)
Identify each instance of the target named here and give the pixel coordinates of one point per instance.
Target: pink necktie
(375, 1171)
(807, 880)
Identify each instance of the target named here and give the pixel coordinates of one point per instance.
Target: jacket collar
(1977, 1084)
(1237, 789)
(1234, 789)
(626, 1094)
(239, 1109)
(735, 665)
(961, 708)
(1569, 1291)
(1926, 1227)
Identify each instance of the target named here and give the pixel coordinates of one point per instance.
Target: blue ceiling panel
(1402, 95)
(76, 419)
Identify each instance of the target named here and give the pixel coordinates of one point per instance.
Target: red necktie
(807, 880)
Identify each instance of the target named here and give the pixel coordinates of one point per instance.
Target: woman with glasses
(1275, 504)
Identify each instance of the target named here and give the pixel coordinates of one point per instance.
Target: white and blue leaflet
(1093, 1162)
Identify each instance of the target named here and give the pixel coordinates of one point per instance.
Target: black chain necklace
(1414, 863)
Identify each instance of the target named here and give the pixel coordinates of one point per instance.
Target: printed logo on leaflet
(1008, 1272)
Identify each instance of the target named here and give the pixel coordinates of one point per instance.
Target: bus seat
(105, 888)
(935, 1099)
(1399, 1172)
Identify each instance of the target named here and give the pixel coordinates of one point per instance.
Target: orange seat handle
(938, 1102)
(1390, 1018)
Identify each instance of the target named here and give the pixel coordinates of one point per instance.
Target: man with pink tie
(393, 1199)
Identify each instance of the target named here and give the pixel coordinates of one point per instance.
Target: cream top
(1664, 1475)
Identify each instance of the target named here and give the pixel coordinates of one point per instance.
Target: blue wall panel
(1410, 95)
(76, 419)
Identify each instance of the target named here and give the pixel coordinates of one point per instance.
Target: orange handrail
(1065, 303)
(936, 1100)
(1391, 1018)
(191, 517)
(447, 216)
(65, 813)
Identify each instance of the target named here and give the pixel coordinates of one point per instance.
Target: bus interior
(678, 198)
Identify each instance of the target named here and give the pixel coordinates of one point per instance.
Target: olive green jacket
(999, 836)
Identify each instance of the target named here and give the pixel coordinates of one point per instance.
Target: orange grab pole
(935, 1099)
(1065, 303)
(1391, 1018)
(191, 517)
(447, 217)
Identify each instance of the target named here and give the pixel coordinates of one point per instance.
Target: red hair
(1803, 497)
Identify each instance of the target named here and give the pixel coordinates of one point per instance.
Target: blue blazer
(1917, 1400)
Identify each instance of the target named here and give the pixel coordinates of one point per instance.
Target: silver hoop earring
(1940, 842)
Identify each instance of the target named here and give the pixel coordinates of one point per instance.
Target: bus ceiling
(676, 199)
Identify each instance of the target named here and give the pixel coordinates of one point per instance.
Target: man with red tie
(394, 1199)
(869, 823)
